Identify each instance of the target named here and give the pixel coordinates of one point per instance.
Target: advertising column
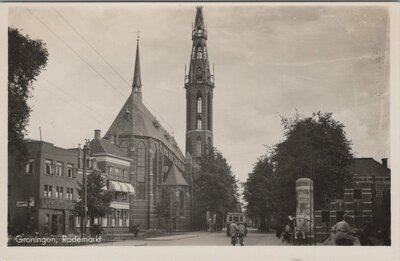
(304, 228)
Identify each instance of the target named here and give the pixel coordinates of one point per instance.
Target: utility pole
(84, 190)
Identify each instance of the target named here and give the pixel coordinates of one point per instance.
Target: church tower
(199, 85)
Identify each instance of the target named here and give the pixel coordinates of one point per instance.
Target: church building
(157, 162)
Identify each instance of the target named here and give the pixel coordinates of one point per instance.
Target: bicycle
(241, 239)
(234, 239)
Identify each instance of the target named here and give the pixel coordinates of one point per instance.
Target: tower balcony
(209, 81)
(199, 33)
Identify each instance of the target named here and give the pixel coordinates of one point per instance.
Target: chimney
(97, 134)
(384, 162)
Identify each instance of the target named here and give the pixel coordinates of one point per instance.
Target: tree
(98, 200)
(216, 186)
(27, 58)
(314, 147)
(162, 208)
(258, 192)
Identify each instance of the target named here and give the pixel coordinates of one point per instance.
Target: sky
(270, 61)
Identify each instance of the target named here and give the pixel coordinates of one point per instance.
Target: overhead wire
(87, 63)
(106, 61)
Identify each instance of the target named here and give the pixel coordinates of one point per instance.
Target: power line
(91, 46)
(87, 63)
(106, 61)
(75, 52)
(75, 99)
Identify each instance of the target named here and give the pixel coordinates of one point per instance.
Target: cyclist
(240, 231)
(232, 231)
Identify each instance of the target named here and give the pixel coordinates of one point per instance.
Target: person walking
(233, 228)
(287, 234)
(241, 230)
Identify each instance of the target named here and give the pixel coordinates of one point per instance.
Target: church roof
(175, 177)
(105, 146)
(368, 167)
(135, 119)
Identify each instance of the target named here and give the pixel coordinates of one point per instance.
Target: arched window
(124, 148)
(193, 52)
(188, 109)
(198, 147)
(199, 122)
(141, 174)
(181, 202)
(199, 53)
(205, 51)
(199, 103)
(154, 161)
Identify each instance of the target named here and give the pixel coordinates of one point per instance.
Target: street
(253, 238)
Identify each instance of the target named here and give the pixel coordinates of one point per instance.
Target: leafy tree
(98, 200)
(314, 147)
(27, 58)
(216, 186)
(162, 208)
(258, 192)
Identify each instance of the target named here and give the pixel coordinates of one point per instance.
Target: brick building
(41, 197)
(153, 153)
(115, 168)
(368, 201)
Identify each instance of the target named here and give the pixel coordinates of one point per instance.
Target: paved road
(253, 238)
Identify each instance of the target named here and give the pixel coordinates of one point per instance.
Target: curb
(169, 239)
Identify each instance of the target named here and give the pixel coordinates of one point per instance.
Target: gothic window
(193, 52)
(199, 122)
(124, 148)
(154, 159)
(205, 51)
(198, 147)
(199, 104)
(141, 167)
(199, 53)
(181, 202)
(188, 105)
(209, 111)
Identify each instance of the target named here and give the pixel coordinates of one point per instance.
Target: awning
(130, 188)
(114, 185)
(121, 187)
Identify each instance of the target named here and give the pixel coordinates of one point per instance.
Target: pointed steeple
(199, 29)
(199, 69)
(137, 81)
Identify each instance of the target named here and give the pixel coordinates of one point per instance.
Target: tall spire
(137, 81)
(199, 70)
(199, 20)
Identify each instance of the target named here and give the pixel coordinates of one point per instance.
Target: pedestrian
(241, 231)
(287, 234)
(232, 231)
(343, 232)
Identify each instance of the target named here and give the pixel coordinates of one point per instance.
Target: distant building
(41, 197)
